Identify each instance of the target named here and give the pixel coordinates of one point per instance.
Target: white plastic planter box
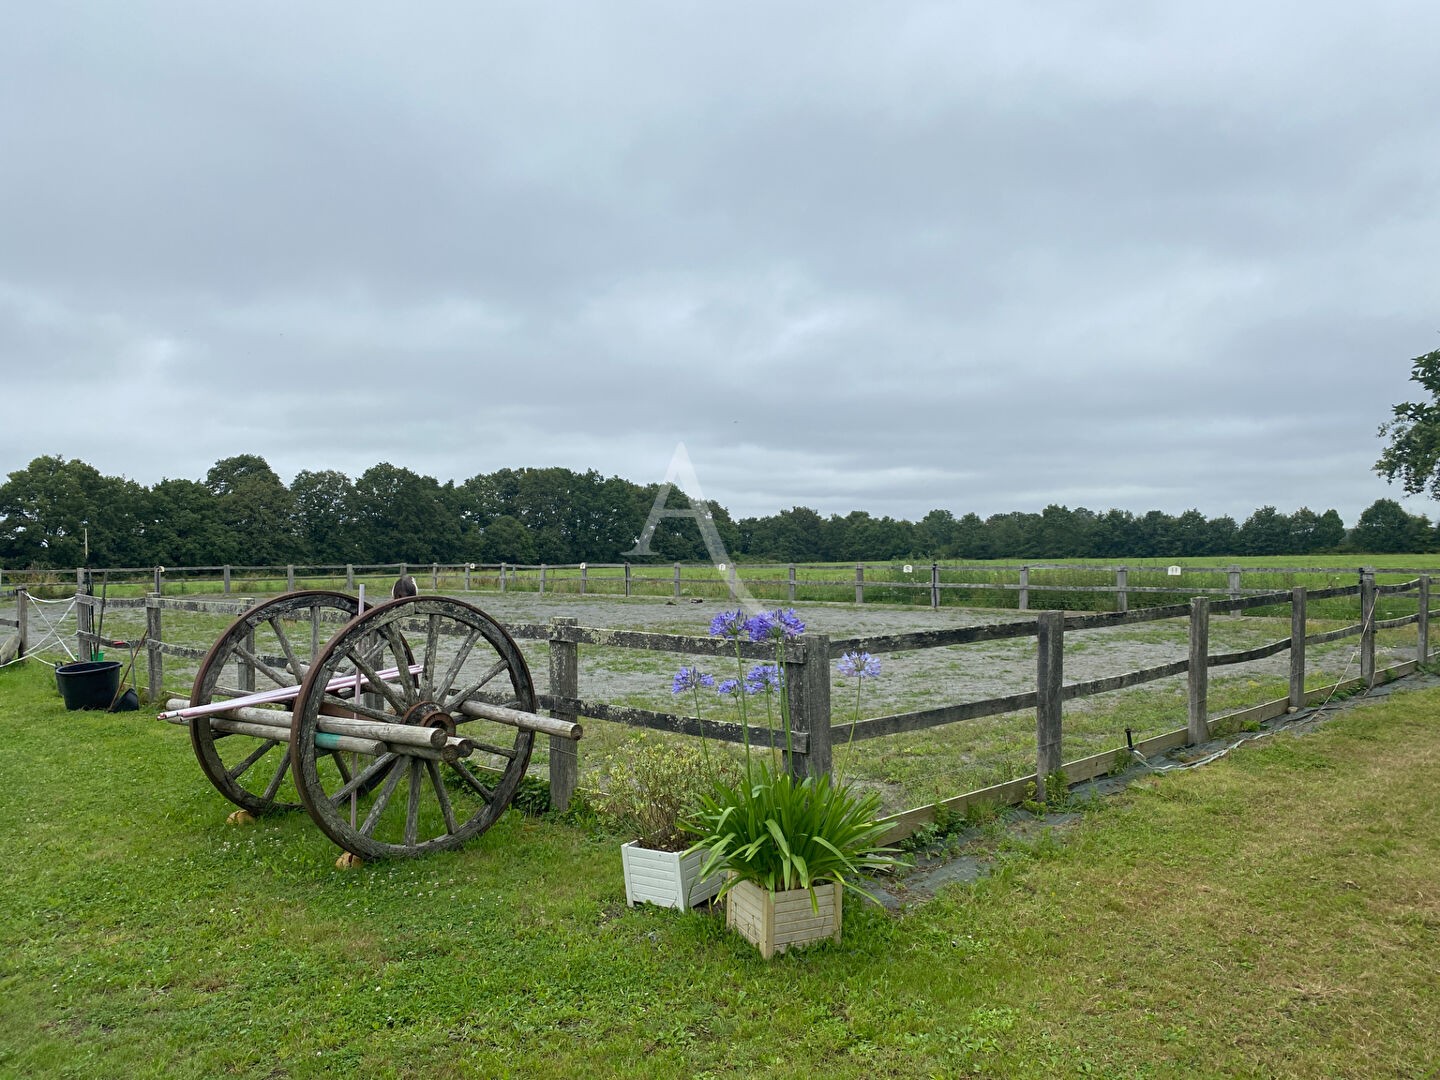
(776, 921)
(666, 878)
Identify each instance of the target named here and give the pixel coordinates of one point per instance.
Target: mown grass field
(1275, 914)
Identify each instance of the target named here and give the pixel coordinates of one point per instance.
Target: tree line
(59, 513)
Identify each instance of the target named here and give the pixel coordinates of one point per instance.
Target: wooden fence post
(1234, 573)
(1199, 728)
(1297, 648)
(859, 583)
(154, 640)
(502, 577)
(542, 579)
(1422, 643)
(22, 616)
(468, 567)
(584, 578)
(1024, 588)
(564, 686)
(627, 579)
(350, 577)
(225, 577)
(84, 628)
(1122, 583)
(79, 579)
(1049, 685)
(791, 583)
(935, 586)
(1367, 626)
(290, 577)
(677, 581)
(159, 581)
(807, 686)
(730, 581)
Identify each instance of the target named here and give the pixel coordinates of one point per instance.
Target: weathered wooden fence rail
(807, 674)
(937, 583)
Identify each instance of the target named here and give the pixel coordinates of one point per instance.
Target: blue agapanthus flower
(859, 664)
(690, 679)
(728, 624)
(762, 677)
(772, 625)
(728, 688)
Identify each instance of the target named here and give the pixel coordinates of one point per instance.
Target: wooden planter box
(776, 921)
(666, 878)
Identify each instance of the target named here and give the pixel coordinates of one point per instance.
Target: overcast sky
(881, 256)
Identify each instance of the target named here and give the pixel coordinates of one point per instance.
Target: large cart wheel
(408, 800)
(270, 646)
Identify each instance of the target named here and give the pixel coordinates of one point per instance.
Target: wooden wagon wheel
(413, 800)
(272, 645)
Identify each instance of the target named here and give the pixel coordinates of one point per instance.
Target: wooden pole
(502, 577)
(564, 686)
(859, 583)
(935, 586)
(159, 581)
(542, 579)
(434, 577)
(1198, 729)
(1122, 584)
(584, 578)
(791, 583)
(349, 577)
(84, 623)
(1422, 644)
(1024, 588)
(1297, 648)
(1049, 687)
(154, 656)
(225, 577)
(807, 686)
(1234, 573)
(730, 581)
(677, 581)
(1367, 626)
(627, 579)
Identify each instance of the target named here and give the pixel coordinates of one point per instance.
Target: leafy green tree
(182, 525)
(506, 540)
(401, 516)
(326, 524)
(1265, 532)
(255, 511)
(1385, 528)
(53, 508)
(1413, 453)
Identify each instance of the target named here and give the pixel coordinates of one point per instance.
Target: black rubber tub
(90, 684)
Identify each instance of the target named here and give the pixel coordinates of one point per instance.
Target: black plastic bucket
(90, 684)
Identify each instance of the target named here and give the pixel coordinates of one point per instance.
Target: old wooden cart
(402, 730)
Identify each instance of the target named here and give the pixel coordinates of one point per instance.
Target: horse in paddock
(405, 586)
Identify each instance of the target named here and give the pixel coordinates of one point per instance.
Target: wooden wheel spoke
(279, 678)
(382, 800)
(443, 687)
(296, 668)
(442, 797)
(490, 748)
(377, 683)
(499, 666)
(412, 806)
(432, 643)
(279, 777)
(314, 630)
(473, 782)
(255, 755)
(363, 777)
(402, 660)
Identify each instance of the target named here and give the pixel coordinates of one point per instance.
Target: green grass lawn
(1275, 914)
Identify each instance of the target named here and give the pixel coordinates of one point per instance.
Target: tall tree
(1413, 454)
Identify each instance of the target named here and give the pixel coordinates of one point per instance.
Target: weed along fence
(808, 661)
(1020, 587)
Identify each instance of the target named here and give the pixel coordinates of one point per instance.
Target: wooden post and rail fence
(936, 584)
(807, 663)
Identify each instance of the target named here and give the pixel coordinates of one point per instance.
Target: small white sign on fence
(1173, 571)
